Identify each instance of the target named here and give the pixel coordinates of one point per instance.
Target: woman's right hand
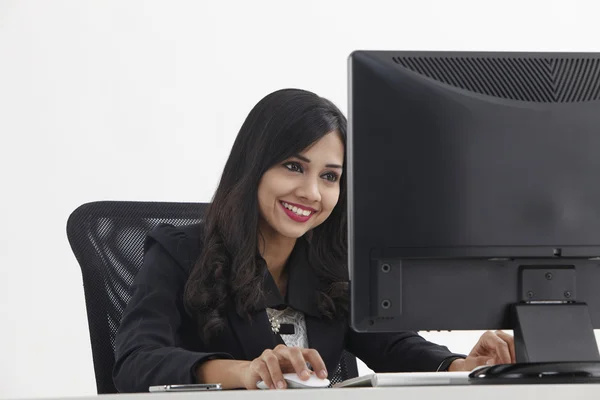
(272, 364)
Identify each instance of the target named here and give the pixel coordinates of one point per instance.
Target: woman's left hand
(492, 348)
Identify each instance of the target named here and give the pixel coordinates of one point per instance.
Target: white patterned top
(290, 316)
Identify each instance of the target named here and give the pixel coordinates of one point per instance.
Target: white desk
(504, 392)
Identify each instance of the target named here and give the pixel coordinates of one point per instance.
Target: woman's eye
(294, 167)
(331, 177)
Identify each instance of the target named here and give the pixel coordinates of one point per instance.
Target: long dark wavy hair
(281, 125)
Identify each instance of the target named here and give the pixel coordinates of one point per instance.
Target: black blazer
(157, 342)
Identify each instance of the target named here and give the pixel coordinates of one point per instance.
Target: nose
(309, 190)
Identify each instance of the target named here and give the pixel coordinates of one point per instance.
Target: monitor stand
(554, 336)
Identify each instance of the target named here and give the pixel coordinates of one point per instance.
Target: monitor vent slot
(547, 80)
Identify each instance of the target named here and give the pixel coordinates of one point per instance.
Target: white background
(132, 100)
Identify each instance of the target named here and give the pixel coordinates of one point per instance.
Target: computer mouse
(294, 382)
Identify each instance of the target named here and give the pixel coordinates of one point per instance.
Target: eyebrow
(306, 160)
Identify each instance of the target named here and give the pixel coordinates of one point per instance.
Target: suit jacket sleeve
(147, 348)
(398, 352)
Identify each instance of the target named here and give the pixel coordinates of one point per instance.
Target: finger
(511, 344)
(296, 358)
(502, 355)
(271, 359)
(260, 368)
(316, 361)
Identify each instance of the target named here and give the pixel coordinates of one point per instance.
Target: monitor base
(538, 373)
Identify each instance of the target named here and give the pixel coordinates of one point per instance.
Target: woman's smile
(297, 212)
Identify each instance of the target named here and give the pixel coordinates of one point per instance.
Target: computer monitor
(474, 196)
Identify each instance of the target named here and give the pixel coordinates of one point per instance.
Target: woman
(210, 300)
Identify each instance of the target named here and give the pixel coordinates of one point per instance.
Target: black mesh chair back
(107, 239)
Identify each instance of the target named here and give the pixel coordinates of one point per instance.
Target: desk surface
(479, 392)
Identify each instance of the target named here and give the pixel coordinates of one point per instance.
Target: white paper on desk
(408, 379)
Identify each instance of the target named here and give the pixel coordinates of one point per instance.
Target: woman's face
(300, 193)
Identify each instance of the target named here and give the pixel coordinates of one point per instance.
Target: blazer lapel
(326, 336)
(254, 336)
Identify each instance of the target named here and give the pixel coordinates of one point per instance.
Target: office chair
(107, 238)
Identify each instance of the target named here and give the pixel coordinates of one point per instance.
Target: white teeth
(296, 210)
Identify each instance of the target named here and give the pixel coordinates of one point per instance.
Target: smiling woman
(283, 153)
(260, 288)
